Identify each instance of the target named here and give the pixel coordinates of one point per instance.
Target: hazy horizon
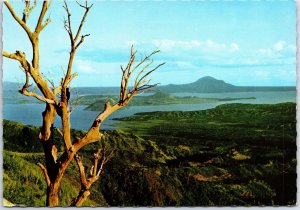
(172, 84)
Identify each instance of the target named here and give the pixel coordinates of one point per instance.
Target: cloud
(84, 66)
(187, 55)
(167, 44)
(279, 49)
(279, 46)
(90, 67)
(205, 46)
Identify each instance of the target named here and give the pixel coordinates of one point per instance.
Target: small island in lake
(96, 102)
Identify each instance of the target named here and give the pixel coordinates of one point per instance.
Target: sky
(247, 43)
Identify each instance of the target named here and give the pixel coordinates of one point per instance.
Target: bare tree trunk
(53, 194)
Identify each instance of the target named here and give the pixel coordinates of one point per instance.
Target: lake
(31, 114)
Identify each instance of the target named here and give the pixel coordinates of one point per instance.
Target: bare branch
(146, 87)
(87, 8)
(39, 26)
(37, 96)
(93, 133)
(64, 89)
(93, 176)
(16, 17)
(147, 74)
(20, 56)
(27, 10)
(141, 82)
(74, 104)
(45, 172)
(68, 79)
(96, 159)
(59, 131)
(146, 58)
(73, 40)
(81, 40)
(81, 170)
(67, 23)
(57, 90)
(47, 21)
(141, 72)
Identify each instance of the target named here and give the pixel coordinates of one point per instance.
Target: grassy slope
(235, 154)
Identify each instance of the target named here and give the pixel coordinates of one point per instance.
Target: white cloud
(183, 55)
(278, 49)
(84, 66)
(94, 67)
(204, 46)
(280, 45)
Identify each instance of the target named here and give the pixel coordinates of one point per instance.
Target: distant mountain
(211, 85)
(202, 85)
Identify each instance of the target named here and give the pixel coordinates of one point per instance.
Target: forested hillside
(235, 154)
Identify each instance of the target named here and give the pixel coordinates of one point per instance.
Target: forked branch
(68, 25)
(27, 10)
(64, 86)
(29, 71)
(17, 18)
(75, 43)
(142, 82)
(40, 25)
(93, 176)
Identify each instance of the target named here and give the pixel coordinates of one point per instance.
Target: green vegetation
(234, 154)
(252, 146)
(96, 103)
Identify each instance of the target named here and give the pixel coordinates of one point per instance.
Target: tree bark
(52, 195)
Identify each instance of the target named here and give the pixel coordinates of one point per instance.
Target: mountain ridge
(205, 84)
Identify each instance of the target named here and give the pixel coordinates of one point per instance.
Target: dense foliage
(234, 154)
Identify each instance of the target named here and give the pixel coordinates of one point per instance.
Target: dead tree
(56, 106)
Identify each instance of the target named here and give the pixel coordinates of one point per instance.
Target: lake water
(80, 119)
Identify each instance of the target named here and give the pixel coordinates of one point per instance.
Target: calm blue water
(80, 119)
